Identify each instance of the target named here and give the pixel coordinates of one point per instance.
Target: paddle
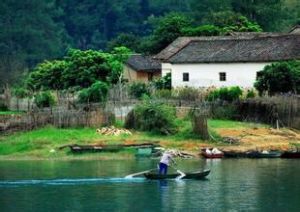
(138, 173)
(182, 174)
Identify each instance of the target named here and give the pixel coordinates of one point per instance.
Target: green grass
(38, 143)
(10, 112)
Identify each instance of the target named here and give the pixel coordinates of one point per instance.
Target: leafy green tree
(270, 14)
(204, 30)
(47, 76)
(44, 99)
(225, 94)
(233, 22)
(280, 77)
(96, 93)
(167, 29)
(30, 32)
(139, 89)
(129, 41)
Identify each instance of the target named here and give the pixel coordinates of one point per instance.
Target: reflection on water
(233, 185)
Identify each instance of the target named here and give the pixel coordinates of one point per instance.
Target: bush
(164, 94)
(139, 89)
(3, 107)
(163, 82)
(224, 112)
(280, 77)
(225, 94)
(96, 93)
(44, 99)
(250, 94)
(187, 93)
(152, 117)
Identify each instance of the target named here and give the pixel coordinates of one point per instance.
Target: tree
(127, 40)
(233, 22)
(280, 77)
(166, 30)
(29, 34)
(96, 93)
(78, 69)
(270, 14)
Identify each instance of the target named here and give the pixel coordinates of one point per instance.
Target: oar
(139, 173)
(182, 174)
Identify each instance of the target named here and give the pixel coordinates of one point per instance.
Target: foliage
(96, 93)
(250, 94)
(233, 22)
(225, 94)
(224, 112)
(154, 117)
(163, 94)
(187, 93)
(163, 82)
(44, 99)
(280, 77)
(30, 32)
(166, 30)
(78, 69)
(139, 89)
(20, 92)
(47, 75)
(129, 41)
(204, 30)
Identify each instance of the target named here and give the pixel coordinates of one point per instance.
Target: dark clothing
(163, 168)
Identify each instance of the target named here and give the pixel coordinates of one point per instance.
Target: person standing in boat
(165, 161)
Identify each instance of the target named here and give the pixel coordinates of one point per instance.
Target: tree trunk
(199, 122)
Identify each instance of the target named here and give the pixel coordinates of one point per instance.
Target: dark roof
(248, 47)
(143, 63)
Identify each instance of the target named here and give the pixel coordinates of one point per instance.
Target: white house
(226, 60)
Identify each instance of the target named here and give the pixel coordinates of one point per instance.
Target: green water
(233, 185)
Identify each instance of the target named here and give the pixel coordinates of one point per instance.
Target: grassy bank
(37, 144)
(10, 113)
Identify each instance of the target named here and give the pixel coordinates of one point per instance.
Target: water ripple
(17, 183)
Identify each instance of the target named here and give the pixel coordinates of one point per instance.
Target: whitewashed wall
(207, 75)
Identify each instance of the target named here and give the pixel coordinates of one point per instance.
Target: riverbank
(43, 144)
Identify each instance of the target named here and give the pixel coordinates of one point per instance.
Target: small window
(222, 76)
(185, 77)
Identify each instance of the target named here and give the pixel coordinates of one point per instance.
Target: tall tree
(29, 34)
(270, 14)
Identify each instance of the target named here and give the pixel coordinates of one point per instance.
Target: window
(185, 77)
(222, 76)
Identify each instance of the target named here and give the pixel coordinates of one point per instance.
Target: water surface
(233, 185)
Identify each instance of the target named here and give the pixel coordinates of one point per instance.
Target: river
(233, 185)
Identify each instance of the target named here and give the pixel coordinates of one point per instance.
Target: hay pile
(113, 131)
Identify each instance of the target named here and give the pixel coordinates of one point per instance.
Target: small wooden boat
(194, 175)
(264, 154)
(291, 155)
(213, 155)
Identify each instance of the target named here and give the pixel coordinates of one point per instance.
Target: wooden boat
(234, 154)
(291, 155)
(266, 154)
(212, 156)
(194, 175)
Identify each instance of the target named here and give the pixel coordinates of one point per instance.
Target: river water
(233, 185)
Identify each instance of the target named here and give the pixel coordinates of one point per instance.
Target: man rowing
(165, 161)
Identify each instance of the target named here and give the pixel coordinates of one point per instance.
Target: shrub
(224, 112)
(164, 93)
(44, 99)
(152, 117)
(96, 93)
(225, 94)
(187, 93)
(163, 82)
(139, 89)
(3, 107)
(280, 77)
(250, 94)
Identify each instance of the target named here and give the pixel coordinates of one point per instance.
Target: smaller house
(141, 68)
